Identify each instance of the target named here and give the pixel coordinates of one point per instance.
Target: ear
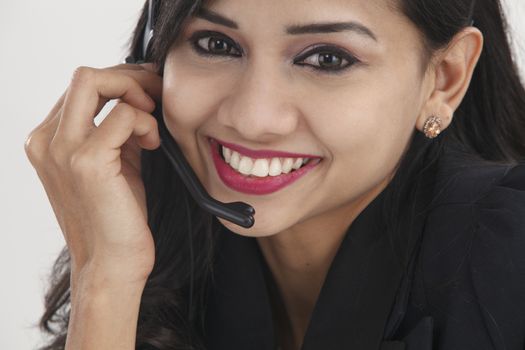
(451, 73)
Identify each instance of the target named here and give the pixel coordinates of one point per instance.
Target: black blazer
(465, 288)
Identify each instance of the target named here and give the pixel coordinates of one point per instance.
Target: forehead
(379, 20)
(300, 7)
(280, 14)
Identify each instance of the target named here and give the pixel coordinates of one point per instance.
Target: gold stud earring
(432, 127)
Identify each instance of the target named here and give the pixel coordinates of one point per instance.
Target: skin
(91, 175)
(359, 121)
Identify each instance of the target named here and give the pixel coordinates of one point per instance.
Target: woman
(404, 229)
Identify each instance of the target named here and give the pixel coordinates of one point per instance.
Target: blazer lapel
(238, 314)
(359, 288)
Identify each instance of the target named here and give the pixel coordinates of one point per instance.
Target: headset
(239, 213)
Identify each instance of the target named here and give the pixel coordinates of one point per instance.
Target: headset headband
(148, 31)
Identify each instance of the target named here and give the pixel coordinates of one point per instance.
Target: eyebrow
(312, 28)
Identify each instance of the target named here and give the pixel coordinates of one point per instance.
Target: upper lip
(262, 153)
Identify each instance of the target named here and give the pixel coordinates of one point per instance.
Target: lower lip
(253, 184)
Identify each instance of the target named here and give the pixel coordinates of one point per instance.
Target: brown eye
(210, 44)
(216, 45)
(327, 59)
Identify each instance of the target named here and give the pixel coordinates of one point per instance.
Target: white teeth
(275, 167)
(245, 165)
(227, 153)
(235, 160)
(287, 165)
(260, 168)
(298, 163)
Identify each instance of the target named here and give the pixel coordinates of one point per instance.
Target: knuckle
(120, 66)
(82, 74)
(34, 147)
(125, 113)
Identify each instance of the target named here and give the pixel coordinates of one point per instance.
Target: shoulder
(461, 178)
(473, 256)
(479, 194)
(477, 216)
(475, 201)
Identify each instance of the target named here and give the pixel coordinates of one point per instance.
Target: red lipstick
(253, 184)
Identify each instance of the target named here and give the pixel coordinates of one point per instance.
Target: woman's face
(260, 89)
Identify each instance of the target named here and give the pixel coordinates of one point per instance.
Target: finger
(38, 140)
(154, 90)
(51, 121)
(149, 66)
(132, 66)
(53, 114)
(55, 110)
(89, 86)
(150, 81)
(125, 66)
(123, 122)
(153, 87)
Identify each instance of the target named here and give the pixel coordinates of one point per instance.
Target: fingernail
(153, 102)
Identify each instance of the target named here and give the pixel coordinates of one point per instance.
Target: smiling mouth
(262, 167)
(258, 176)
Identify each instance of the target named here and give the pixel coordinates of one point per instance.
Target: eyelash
(330, 50)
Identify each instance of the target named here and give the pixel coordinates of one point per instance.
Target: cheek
(191, 95)
(185, 100)
(188, 100)
(363, 121)
(365, 128)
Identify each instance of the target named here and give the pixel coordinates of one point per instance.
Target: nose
(260, 108)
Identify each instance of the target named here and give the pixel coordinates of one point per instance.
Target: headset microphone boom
(239, 213)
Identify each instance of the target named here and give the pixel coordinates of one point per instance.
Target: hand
(92, 174)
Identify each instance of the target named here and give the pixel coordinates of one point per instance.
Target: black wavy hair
(489, 125)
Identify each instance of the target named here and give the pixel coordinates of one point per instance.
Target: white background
(41, 43)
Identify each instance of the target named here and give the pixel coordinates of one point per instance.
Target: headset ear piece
(132, 60)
